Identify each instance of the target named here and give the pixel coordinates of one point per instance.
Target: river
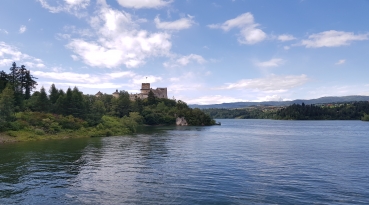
(239, 162)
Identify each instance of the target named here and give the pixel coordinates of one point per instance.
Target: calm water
(240, 162)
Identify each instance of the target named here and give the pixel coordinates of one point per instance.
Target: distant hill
(321, 100)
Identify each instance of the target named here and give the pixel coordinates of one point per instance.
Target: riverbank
(24, 136)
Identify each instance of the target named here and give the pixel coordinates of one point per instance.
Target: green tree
(121, 106)
(6, 107)
(29, 84)
(42, 102)
(4, 79)
(54, 94)
(96, 111)
(151, 99)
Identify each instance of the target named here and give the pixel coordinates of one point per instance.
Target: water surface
(240, 162)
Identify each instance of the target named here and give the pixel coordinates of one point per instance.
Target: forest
(344, 111)
(59, 113)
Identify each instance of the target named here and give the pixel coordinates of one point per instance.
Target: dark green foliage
(121, 106)
(95, 113)
(4, 79)
(50, 123)
(54, 94)
(347, 111)
(197, 117)
(365, 117)
(6, 108)
(250, 113)
(151, 99)
(42, 103)
(137, 105)
(21, 82)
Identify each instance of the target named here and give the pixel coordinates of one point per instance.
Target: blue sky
(204, 52)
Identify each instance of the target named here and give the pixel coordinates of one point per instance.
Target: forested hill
(322, 100)
(28, 115)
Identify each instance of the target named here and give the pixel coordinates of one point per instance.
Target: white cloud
(128, 79)
(340, 62)
(337, 90)
(124, 74)
(10, 54)
(68, 76)
(213, 99)
(183, 23)
(185, 60)
(274, 62)
(332, 38)
(286, 37)
(286, 48)
(269, 98)
(74, 7)
(249, 31)
(270, 83)
(4, 31)
(139, 4)
(118, 41)
(22, 29)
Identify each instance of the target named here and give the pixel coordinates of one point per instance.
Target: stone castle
(145, 89)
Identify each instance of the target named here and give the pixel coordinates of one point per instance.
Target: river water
(239, 162)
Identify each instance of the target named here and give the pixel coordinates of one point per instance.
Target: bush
(365, 117)
(39, 132)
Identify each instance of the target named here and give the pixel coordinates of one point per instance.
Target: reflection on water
(240, 162)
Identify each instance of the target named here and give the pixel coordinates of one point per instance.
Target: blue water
(239, 162)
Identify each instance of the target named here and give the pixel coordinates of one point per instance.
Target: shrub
(39, 132)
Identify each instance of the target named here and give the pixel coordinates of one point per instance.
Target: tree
(4, 79)
(151, 99)
(42, 102)
(95, 113)
(121, 106)
(77, 105)
(13, 76)
(6, 107)
(54, 94)
(29, 84)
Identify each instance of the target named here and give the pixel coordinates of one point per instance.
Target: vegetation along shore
(329, 111)
(27, 115)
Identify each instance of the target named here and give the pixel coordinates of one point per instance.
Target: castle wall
(160, 92)
(145, 89)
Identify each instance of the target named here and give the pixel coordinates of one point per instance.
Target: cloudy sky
(204, 52)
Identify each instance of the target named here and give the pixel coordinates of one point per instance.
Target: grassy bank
(33, 126)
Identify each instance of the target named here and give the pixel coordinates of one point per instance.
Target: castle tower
(145, 88)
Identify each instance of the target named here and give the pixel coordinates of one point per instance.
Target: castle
(145, 89)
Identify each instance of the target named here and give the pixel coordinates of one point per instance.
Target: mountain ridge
(321, 100)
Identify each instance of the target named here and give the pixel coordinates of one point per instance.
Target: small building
(144, 92)
(145, 89)
(98, 94)
(116, 94)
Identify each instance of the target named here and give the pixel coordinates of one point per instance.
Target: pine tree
(43, 103)
(151, 99)
(54, 94)
(29, 84)
(4, 79)
(6, 107)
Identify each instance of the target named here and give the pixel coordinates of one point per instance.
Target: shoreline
(6, 138)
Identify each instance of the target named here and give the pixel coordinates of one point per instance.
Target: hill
(322, 100)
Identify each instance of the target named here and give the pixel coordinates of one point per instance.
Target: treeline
(57, 110)
(238, 113)
(347, 111)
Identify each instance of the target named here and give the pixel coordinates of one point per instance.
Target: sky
(204, 52)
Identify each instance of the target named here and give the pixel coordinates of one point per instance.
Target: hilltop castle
(145, 89)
